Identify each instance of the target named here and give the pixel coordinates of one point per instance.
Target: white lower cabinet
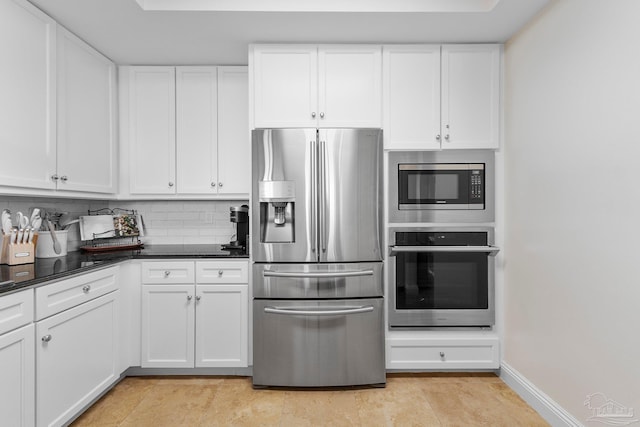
(191, 325)
(77, 351)
(17, 388)
(443, 353)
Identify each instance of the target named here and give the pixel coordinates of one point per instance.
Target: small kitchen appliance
(441, 186)
(240, 216)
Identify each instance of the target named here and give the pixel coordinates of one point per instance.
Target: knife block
(18, 253)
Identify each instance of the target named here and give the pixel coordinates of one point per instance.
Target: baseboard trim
(548, 409)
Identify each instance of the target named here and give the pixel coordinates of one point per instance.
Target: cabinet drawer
(16, 310)
(173, 272)
(442, 354)
(222, 272)
(59, 296)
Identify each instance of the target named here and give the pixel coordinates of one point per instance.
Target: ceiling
(124, 32)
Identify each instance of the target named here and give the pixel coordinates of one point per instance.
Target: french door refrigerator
(316, 244)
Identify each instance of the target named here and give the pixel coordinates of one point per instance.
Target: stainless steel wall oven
(441, 276)
(441, 186)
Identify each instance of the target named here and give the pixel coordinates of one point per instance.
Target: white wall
(572, 153)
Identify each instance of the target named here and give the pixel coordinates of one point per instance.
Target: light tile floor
(407, 400)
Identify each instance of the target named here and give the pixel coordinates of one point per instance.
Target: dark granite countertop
(22, 276)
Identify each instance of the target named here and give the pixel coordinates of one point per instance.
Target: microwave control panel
(476, 194)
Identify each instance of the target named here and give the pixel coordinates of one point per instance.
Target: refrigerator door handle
(323, 191)
(314, 194)
(335, 312)
(317, 274)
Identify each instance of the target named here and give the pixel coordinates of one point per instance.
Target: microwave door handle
(490, 250)
(317, 274)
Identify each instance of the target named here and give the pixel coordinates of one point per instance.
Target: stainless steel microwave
(441, 186)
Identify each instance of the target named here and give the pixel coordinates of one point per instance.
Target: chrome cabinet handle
(333, 312)
(446, 137)
(322, 115)
(219, 184)
(490, 250)
(213, 184)
(442, 354)
(318, 274)
(313, 114)
(198, 297)
(189, 297)
(55, 177)
(46, 338)
(64, 178)
(170, 184)
(167, 273)
(438, 137)
(86, 289)
(220, 272)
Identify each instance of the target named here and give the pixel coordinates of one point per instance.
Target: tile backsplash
(165, 222)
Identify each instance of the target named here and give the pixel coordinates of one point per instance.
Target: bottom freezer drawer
(318, 343)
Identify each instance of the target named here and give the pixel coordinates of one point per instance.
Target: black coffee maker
(239, 215)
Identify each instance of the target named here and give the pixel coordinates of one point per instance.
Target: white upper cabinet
(441, 96)
(196, 128)
(188, 130)
(470, 96)
(316, 86)
(86, 117)
(28, 96)
(234, 138)
(152, 135)
(411, 93)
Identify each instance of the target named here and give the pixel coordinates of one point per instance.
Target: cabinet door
(28, 96)
(76, 358)
(234, 154)
(152, 136)
(222, 319)
(411, 97)
(470, 96)
(17, 370)
(167, 326)
(197, 130)
(350, 86)
(86, 111)
(285, 86)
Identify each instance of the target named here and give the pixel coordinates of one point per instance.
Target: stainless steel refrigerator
(316, 242)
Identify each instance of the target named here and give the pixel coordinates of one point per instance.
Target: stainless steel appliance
(441, 277)
(441, 186)
(318, 287)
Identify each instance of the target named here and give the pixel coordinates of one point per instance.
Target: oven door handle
(490, 250)
(336, 312)
(318, 274)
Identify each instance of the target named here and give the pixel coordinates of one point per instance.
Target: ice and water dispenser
(277, 211)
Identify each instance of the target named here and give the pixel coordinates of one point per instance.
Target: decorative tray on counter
(111, 230)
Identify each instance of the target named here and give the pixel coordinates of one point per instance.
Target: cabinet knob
(64, 178)
(220, 272)
(86, 289)
(198, 297)
(189, 297)
(322, 115)
(55, 177)
(442, 354)
(219, 184)
(213, 184)
(167, 273)
(46, 338)
(438, 137)
(446, 137)
(170, 184)
(313, 114)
